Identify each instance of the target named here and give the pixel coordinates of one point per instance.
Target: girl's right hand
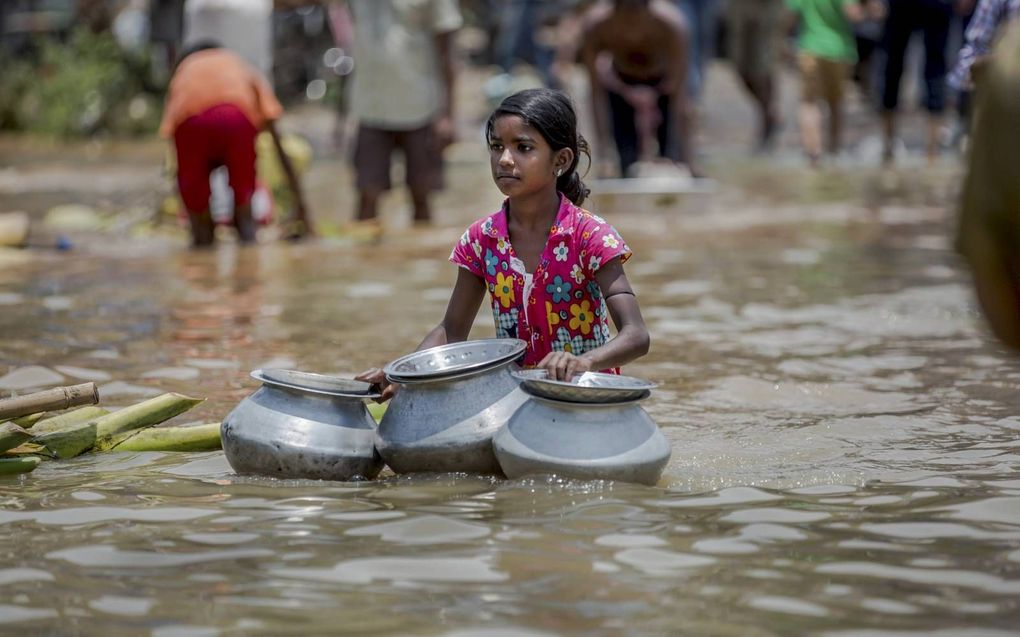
(377, 377)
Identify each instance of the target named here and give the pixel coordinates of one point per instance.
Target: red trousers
(219, 136)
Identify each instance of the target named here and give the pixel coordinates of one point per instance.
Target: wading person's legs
(834, 76)
(936, 19)
(372, 164)
(423, 161)
(625, 135)
(237, 136)
(899, 26)
(809, 114)
(194, 165)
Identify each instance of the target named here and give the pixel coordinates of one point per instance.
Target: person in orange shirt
(216, 105)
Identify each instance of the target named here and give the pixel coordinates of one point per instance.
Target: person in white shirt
(402, 95)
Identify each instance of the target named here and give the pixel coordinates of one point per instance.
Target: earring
(559, 172)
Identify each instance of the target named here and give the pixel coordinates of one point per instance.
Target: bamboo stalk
(68, 420)
(146, 413)
(12, 436)
(13, 466)
(68, 443)
(50, 400)
(186, 438)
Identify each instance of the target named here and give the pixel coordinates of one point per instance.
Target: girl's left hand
(564, 365)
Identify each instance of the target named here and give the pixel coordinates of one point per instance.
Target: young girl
(553, 271)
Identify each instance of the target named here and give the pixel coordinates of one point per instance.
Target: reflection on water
(844, 447)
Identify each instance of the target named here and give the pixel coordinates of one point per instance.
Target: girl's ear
(562, 159)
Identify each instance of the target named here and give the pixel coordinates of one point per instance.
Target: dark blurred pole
(166, 32)
(95, 14)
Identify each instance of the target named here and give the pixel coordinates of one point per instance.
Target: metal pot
(589, 441)
(301, 425)
(446, 424)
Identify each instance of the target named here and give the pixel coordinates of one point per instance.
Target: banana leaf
(70, 442)
(26, 422)
(13, 466)
(186, 438)
(68, 420)
(144, 414)
(12, 436)
(377, 410)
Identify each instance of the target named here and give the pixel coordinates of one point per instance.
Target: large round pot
(301, 425)
(446, 424)
(589, 441)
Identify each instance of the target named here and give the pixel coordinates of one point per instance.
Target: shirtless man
(636, 55)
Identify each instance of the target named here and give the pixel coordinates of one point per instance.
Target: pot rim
(495, 367)
(588, 404)
(265, 376)
(514, 349)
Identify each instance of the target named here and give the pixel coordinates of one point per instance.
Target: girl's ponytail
(573, 188)
(570, 183)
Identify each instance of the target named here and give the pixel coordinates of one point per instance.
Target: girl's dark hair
(551, 113)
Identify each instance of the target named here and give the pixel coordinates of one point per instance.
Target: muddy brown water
(844, 435)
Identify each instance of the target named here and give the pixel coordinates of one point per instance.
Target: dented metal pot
(300, 425)
(444, 421)
(588, 441)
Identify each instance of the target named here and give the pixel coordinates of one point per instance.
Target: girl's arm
(456, 325)
(467, 296)
(631, 341)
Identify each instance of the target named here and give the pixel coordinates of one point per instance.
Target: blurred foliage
(85, 86)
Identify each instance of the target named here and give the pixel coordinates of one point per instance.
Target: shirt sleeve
(602, 245)
(446, 16)
(467, 252)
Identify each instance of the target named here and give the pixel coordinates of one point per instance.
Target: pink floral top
(558, 307)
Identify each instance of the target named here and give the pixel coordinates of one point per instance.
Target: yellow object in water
(270, 171)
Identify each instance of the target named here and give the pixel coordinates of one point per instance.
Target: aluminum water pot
(300, 425)
(588, 441)
(446, 424)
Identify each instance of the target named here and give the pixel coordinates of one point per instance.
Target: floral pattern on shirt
(565, 310)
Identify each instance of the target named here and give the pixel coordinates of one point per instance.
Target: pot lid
(454, 359)
(316, 383)
(589, 387)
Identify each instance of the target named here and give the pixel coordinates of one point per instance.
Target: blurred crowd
(634, 62)
(393, 64)
(217, 74)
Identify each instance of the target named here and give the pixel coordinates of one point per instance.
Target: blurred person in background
(402, 95)
(826, 53)
(216, 105)
(702, 17)
(636, 55)
(984, 22)
(753, 33)
(518, 24)
(868, 37)
(989, 224)
(932, 18)
(166, 31)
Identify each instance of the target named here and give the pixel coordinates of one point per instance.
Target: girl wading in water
(553, 271)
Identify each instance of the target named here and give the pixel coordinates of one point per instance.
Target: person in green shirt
(826, 53)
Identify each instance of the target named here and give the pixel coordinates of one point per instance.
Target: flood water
(844, 432)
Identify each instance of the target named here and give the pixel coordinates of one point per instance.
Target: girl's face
(522, 161)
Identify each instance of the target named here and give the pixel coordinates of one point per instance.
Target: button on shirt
(397, 80)
(558, 307)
